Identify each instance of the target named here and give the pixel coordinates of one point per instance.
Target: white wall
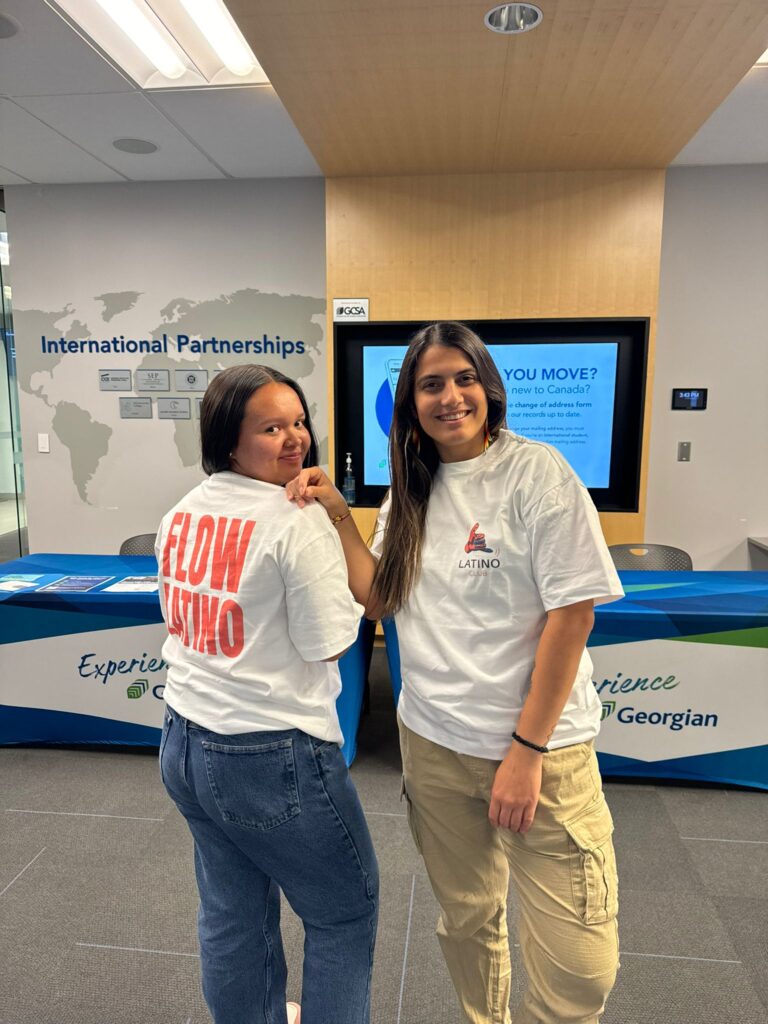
(713, 333)
(235, 259)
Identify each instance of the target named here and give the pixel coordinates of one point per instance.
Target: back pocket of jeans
(253, 786)
(594, 877)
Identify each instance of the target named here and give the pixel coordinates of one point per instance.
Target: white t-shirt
(510, 535)
(255, 595)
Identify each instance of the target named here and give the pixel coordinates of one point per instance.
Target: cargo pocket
(594, 878)
(410, 815)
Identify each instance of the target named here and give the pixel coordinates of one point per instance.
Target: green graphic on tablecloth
(137, 689)
(757, 637)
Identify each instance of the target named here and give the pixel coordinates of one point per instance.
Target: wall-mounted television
(576, 384)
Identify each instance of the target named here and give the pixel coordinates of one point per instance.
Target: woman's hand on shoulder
(312, 485)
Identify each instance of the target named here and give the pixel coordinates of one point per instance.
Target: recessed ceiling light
(138, 146)
(8, 27)
(511, 19)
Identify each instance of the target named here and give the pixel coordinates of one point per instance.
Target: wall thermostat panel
(689, 398)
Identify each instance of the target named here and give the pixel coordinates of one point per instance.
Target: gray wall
(713, 333)
(230, 259)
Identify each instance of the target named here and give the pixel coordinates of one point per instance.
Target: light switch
(43, 443)
(683, 451)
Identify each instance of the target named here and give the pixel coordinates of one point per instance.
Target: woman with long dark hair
(258, 608)
(489, 554)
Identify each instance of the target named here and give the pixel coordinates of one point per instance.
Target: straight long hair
(413, 463)
(223, 409)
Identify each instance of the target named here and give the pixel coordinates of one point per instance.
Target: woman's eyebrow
(279, 419)
(439, 376)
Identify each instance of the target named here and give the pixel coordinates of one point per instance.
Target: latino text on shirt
(255, 595)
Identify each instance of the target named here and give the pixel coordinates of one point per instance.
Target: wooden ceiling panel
(403, 87)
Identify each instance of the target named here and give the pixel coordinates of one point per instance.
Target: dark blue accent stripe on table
(38, 725)
(736, 767)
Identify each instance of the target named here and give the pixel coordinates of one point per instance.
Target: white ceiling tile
(737, 132)
(34, 151)
(9, 178)
(48, 56)
(247, 131)
(95, 121)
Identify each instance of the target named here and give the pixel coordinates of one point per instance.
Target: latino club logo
(477, 545)
(476, 541)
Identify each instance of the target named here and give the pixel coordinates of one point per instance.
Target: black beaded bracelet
(527, 743)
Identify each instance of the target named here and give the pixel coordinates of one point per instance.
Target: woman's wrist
(338, 517)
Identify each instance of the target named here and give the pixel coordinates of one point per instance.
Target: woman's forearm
(557, 661)
(361, 565)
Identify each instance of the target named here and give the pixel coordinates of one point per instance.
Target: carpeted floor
(98, 899)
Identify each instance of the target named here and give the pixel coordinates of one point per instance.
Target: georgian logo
(609, 706)
(137, 689)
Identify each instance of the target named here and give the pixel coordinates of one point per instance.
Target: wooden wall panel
(499, 246)
(392, 87)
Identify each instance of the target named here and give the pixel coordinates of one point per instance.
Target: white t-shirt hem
(489, 748)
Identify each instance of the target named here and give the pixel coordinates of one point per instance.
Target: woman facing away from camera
(258, 608)
(489, 554)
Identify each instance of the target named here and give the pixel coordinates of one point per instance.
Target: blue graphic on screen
(559, 393)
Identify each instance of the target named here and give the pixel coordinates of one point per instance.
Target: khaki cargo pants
(563, 870)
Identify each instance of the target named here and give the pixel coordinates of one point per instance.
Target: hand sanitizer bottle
(348, 487)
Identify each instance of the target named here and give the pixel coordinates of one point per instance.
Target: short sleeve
(377, 544)
(571, 561)
(323, 617)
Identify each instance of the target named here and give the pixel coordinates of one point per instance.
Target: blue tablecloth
(35, 614)
(714, 625)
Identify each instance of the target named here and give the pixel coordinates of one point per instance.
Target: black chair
(141, 544)
(658, 557)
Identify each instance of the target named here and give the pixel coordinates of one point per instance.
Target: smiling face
(273, 437)
(450, 403)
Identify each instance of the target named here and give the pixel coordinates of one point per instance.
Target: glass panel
(13, 513)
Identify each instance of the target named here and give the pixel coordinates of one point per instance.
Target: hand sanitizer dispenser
(348, 487)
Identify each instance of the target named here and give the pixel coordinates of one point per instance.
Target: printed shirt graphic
(476, 541)
(510, 535)
(255, 595)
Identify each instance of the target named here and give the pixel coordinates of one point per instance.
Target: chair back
(141, 544)
(658, 557)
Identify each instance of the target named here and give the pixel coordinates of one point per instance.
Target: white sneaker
(293, 1012)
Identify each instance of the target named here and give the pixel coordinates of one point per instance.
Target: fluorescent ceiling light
(762, 60)
(167, 44)
(225, 38)
(143, 34)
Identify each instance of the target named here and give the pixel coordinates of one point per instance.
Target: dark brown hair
(413, 467)
(223, 410)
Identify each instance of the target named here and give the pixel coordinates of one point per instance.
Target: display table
(84, 666)
(681, 667)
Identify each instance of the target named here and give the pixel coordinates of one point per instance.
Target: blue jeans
(271, 811)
